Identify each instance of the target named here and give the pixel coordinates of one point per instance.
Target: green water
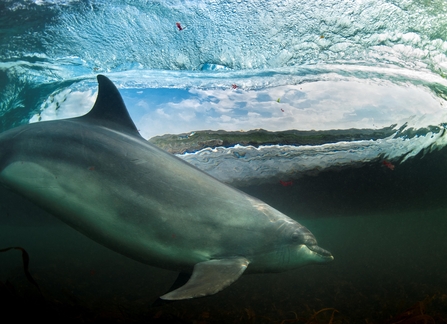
(386, 230)
(383, 265)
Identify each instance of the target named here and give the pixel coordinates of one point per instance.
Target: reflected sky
(319, 105)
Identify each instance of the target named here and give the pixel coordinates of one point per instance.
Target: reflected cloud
(320, 105)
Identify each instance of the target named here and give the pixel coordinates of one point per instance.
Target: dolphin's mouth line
(320, 251)
(280, 243)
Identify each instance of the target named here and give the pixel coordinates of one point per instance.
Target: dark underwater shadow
(386, 230)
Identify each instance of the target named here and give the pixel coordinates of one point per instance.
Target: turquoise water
(242, 65)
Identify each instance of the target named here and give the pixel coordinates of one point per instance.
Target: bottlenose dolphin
(97, 174)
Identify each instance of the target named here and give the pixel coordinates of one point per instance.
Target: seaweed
(417, 314)
(25, 260)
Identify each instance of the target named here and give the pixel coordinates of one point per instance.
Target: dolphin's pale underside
(97, 174)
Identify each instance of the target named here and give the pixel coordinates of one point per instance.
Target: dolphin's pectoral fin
(209, 277)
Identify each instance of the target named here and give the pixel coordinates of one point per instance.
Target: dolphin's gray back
(100, 176)
(147, 192)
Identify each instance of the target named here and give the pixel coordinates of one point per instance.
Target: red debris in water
(179, 26)
(234, 86)
(286, 183)
(388, 164)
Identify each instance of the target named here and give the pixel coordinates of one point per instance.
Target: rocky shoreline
(198, 140)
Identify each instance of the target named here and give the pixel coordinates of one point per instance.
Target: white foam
(248, 165)
(65, 104)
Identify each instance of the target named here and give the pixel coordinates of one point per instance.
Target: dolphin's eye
(296, 237)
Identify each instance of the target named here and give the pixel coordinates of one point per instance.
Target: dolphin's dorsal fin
(109, 109)
(209, 277)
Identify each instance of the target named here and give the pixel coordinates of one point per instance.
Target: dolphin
(98, 175)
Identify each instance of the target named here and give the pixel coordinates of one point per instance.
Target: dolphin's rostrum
(97, 174)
